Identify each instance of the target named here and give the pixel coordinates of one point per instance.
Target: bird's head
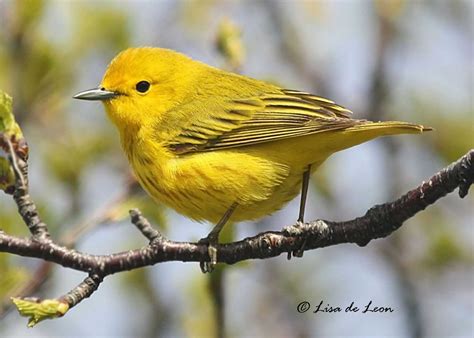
(141, 84)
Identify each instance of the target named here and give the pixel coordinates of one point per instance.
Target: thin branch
(33, 284)
(38, 310)
(84, 290)
(26, 207)
(144, 226)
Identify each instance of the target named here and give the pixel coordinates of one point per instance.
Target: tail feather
(388, 128)
(367, 130)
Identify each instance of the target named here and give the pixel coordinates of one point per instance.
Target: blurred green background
(404, 60)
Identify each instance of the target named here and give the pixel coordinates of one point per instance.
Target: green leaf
(9, 130)
(7, 176)
(38, 310)
(7, 121)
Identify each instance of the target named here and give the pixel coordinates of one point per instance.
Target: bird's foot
(205, 266)
(305, 232)
(296, 230)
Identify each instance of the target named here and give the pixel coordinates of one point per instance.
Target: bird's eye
(143, 86)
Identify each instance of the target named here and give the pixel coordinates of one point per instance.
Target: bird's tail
(388, 128)
(367, 130)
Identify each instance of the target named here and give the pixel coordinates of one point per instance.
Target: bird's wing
(268, 117)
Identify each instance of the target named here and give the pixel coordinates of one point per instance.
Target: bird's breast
(202, 186)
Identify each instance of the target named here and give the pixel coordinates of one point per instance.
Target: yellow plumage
(200, 139)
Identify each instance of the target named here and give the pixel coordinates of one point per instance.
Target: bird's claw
(212, 252)
(296, 230)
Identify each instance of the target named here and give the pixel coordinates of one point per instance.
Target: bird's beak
(95, 94)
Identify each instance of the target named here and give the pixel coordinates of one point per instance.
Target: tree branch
(379, 221)
(26, 207)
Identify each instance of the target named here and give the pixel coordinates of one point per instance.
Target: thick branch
(378, 222)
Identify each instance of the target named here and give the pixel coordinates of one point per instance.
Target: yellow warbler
(218, 146)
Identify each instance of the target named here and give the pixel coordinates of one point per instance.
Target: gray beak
(95, 94)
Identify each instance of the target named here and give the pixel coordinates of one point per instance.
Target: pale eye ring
(142, 86)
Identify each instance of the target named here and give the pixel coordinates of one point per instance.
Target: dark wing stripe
(240, 114)
(288, 101)
(243, 134)
(273, 123)
(289, 110)
(320, 101)
(227, 121)
(305, 95)
(250, 103)
(277, 115)
(270, 117)
(231, 142)
(290, 104)
(207, 130)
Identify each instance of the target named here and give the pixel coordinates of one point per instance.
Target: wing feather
(265, 118)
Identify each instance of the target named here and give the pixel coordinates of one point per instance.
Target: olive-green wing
(268, 117)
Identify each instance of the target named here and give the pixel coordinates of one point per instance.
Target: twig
(26, 208)
(69, 239)
(144, 226)
(84, 290)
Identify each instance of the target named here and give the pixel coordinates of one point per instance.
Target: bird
(222, 147)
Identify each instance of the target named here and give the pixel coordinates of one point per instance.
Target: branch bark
(378, 222)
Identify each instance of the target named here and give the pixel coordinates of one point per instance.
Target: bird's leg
(300, 221)
(304, 194)
(212, 239)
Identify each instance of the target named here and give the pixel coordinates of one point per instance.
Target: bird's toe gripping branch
(318, 228)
